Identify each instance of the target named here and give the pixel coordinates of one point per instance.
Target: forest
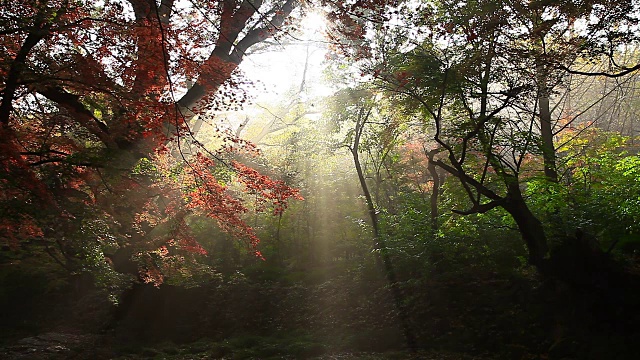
(319, 179)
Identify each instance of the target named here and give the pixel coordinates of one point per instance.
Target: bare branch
(623, 72)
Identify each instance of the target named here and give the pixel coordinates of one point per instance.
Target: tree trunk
(530, 227)
(373, 215)
(379, 243)
(546, 130)
(435, 192)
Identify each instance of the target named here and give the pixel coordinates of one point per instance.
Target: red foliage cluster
(88, 94)
(266, 189)
(13, 231)
(349, 19)
(414, 163)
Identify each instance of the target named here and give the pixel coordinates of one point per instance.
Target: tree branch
(625, 71)
(465, 178)
(481, 208)
(84, 116)
(259, 34)
(11, 84)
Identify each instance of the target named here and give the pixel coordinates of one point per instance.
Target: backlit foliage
(96, 122)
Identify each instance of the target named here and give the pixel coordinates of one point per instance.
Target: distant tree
(355, 112)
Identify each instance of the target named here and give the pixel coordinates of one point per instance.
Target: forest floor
(455, 316)
(59, 346)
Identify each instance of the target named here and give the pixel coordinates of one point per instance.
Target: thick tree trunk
(530, 227)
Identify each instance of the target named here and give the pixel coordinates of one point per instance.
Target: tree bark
(530, 227)
(546, 132)
(544, 113)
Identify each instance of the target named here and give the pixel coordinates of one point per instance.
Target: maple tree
(98, 98)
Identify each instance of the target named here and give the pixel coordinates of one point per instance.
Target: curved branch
(481, 208)
(262, 33)
(72, 104)
(625, 71)
(465, 178)
(12, 81)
